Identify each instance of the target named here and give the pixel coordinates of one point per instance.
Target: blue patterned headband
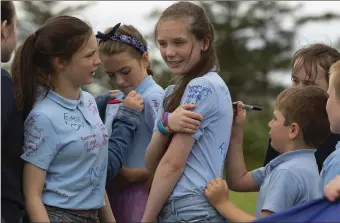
(122, 38)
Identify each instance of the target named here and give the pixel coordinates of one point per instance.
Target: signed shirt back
(68, 139)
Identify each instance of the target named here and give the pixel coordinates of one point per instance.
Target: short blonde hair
(335, 77)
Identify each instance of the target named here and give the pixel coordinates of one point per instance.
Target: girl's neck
(66, 89)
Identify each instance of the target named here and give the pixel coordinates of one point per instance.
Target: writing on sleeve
(196, 93)
(33, 137)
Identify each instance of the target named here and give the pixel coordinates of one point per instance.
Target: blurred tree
(37, 12)
(254, 40)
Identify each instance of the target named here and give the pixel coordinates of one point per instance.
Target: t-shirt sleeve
(203, 94)
(259, 175)
(283, 192)
(330, 172)
(41, 142)
(152, 104)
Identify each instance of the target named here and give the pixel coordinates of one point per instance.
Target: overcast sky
(108, 13)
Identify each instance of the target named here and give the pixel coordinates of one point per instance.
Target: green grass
(246, 200)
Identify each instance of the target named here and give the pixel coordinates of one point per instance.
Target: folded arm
(124, 128)
(156, 149)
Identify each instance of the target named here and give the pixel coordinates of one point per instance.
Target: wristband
(162, 129)
(165, 121)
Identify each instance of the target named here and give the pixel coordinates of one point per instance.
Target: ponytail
(25, 73)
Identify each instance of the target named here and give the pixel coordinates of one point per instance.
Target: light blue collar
(291, 155)
(67, 103)
(146, 83)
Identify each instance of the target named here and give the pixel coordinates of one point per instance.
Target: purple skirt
(128, 204)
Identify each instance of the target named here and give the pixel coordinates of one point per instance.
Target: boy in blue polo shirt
(300, 124)
(331, 166)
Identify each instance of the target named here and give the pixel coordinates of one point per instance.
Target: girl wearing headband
(124, 55)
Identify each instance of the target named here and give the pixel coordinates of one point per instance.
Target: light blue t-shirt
(152, 94)
(68, 139)
(330, 167)
(206, 159)
(289, 179)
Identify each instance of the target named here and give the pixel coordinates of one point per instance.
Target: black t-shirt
(12, 134)
(322, 152)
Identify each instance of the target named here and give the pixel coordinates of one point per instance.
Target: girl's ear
(205, 44)
(58, 63)
(145, 60)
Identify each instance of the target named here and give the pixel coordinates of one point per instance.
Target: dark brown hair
(201, 28)
(112, 47)
(335, 77)
(315, 59)
(7, 11)
(60, 37)
(306, 106)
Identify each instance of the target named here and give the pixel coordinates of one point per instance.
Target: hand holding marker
(248, 107)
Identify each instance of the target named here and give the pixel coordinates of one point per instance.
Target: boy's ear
(294, 131)
(4, 31)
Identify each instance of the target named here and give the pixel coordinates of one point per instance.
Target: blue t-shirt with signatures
(68, 139)
(206, 159)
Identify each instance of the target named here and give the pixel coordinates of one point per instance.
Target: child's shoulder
(212, 80)
(334, 157)
(169, 90)
(47, 107)
(154, 90)
(296, 172)
(87, 96)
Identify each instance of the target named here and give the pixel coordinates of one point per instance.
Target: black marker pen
(249, 107)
